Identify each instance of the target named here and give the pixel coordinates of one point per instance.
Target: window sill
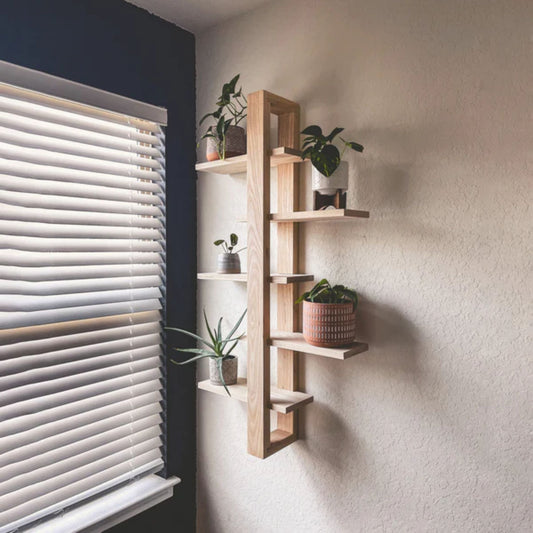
(113, 508)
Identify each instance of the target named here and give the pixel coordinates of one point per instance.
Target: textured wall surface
(429, 431)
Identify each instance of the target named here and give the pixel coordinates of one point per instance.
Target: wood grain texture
(287, 253)
(236, 165)
(310, 216)
(296, 342)
(281, 401)
(258, 208)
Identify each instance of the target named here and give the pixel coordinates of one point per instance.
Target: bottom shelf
(282, 401)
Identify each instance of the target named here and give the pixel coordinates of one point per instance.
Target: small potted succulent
(329, 173)
(329, 315)
(223, 366)
(228, 262)
(226, 138)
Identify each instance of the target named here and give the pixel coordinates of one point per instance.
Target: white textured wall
(430, 430)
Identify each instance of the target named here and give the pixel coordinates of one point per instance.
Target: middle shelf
(280, 279)
(281, 400)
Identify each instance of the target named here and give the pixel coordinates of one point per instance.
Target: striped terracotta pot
(328, 325)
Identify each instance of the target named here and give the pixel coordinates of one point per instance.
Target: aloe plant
(215, 347)
(319, 148)
(324, 293)
(233, 241)
(233, 102)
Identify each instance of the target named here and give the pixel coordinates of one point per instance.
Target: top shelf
(236, 165)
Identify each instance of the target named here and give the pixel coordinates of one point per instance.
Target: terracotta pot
(338, 180)
(228, 264)
(229, 371)
(328, 325)
(235, 144)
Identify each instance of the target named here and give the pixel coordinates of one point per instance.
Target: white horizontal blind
(82, 232)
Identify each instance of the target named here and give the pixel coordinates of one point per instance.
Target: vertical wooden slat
(258, 329)
(287, 234)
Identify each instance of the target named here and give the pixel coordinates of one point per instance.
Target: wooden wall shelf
(281, 401)
(296, 342)
(281, 279)
(312, 216)
(261, 398)
(235, 165)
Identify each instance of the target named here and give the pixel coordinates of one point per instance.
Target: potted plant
(228, 262)
(226, 138)
(329, 173)
(329, 315)
(223, 366)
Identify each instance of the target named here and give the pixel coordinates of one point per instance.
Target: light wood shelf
(281, 279)
(235, 165)
(296, 342)
(311, 216)
(281, 401)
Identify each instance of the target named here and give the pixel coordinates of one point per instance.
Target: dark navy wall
(115, 46)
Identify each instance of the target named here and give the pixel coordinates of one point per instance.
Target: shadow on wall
(393, 351)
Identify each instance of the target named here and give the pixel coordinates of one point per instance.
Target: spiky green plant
(216, 347)
(324, 293)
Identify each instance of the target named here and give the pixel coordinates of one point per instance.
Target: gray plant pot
(229, 371)
(235, 144)
(228, 264)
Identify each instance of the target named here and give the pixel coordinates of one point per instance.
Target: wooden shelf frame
(262, 442)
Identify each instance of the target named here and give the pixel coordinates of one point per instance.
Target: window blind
(82, 284)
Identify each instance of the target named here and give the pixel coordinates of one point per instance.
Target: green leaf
(193, 350)
(198, 338)
(237, 324)
(334, 133)
(219, 330)
(206, 116)
(211, 336)
(353, 145)
(219, 363)
(191, 360)
(233, 83)
(327, 160)
(219, 242)
(315, 131)
(233, 239)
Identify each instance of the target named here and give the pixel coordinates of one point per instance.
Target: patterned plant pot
(229, 371)
(328, 325)
(228, 264)
(338, 180)
(235, 144)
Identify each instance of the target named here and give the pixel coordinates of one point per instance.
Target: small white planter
(229, 371)
(338, 180)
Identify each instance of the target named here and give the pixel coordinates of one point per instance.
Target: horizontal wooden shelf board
(236, 165)
(281, 279)
(281, 401)
(296, 343)
(326, 214)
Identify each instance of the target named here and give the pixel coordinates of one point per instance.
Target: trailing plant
(215, 347)
(324, 293)
(319, 148)
(233, 240)
(231, 102)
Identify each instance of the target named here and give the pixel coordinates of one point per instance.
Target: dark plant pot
(228, 264)
(229, 371)
(235, 144)
(328, 325)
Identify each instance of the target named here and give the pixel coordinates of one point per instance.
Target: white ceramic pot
(338, 180)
